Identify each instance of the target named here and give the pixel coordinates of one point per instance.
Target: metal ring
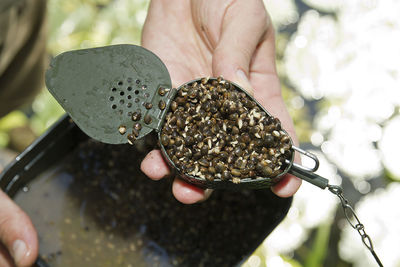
(311, 156)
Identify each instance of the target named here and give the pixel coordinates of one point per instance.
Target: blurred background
(339, 64)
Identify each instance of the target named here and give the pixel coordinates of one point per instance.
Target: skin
(194, 39)
(17, 235)
(232, 38)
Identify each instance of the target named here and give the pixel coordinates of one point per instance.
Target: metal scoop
(117, 94)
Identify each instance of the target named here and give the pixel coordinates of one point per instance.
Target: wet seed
(189, 140)
(174, 105)
(179, 154)
(122, 129)
(180, 123)
(204, 150)
(161, 104)
(226, 175)
(219, 167)
(162, 91)
(235, 130)
(135, 132)
(211, 170)
(178, 141)
(245, 138)
(147, 119)
(197, 155)
(204, 162)
(190, 168)
(164, 140)
(131, 139)
(188, 154)
(238, 151)
(267, 171)
(276, 133)
(136, 116)
(268, 140)
(236, 172)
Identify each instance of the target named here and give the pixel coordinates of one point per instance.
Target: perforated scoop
(101, 88)
(120, 93)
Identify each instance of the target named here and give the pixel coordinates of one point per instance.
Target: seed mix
(213, 130)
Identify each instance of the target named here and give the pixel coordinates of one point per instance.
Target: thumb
(243, 27)
(17, 233)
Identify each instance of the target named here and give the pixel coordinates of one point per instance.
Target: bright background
(339, 63)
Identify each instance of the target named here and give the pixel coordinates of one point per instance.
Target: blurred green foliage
(77, 24)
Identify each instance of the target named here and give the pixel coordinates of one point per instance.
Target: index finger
(267, 90)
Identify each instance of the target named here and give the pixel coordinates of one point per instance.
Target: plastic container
(91, 198)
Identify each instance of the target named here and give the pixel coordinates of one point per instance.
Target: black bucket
(92, 206)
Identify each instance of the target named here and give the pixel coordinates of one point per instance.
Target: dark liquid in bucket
(97, 209)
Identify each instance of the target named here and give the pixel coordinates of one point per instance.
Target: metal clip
(307, 173)
(311, 156)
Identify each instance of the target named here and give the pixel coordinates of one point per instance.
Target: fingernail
(20, 251)
(244, 81)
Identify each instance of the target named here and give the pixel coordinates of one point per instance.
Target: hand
(202, 38)
(18, 239)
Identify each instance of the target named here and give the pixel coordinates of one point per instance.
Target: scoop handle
(306, 173)
(308, 176)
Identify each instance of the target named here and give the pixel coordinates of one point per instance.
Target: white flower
(380, 215)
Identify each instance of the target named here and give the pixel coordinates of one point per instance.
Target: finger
(187, 193)
(287, 187)
(17, 232)
(243, 27)
(154, 165)
(267, 90)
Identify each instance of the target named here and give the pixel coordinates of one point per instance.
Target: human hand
(203, 38)
(18, 239)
